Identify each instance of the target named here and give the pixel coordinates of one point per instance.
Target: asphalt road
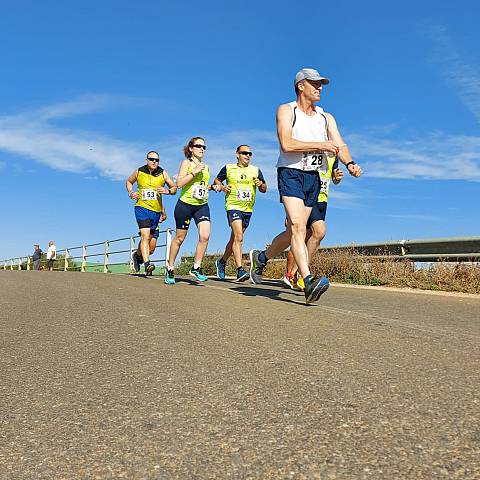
(110, 376)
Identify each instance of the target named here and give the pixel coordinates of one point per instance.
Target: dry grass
(351, 267)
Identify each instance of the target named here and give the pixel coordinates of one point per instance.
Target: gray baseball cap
(310, 74)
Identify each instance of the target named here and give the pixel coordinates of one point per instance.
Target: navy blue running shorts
(319, 212)
(184, 212)
(298, 183)
(239, 215)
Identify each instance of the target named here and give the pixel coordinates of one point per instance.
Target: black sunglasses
(196, 145)
(246, 153)
(153, 159)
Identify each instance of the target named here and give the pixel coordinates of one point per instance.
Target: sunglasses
(246, 153)
(197, 145)
(153, 159)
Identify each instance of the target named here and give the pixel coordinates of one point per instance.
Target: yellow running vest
(147, 188)
(195, 192)
(242, 196)
(325, 177)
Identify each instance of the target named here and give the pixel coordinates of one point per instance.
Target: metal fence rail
(450, 249)
(68, 256)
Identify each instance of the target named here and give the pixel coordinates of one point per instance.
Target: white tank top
(305, 128)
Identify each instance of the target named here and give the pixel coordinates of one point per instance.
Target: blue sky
(87, 89)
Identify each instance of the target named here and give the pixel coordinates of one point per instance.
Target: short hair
(153, 151)
(189, 145)
(240, 146)
(297, 91)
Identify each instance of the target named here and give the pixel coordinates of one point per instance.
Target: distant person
(51, 255)
(193, 177)
(36, 257)
(307, 136)
(151, 180)
(242, 180)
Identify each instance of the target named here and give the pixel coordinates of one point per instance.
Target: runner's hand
(329, 146)
(134, 195)
(163, 190)
(217, 188)
(173, 190)
(337, 175)
(354, 170)
(227, 188)
(163, 217)
(257, 182)
(201, 166)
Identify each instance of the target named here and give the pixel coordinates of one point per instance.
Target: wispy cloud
(434, 156)
(34, 135)
(459, 73)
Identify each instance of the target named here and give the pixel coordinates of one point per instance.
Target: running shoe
(136, 262)
(170, 277)
(220, 268)
(288, 280)
(242, 275)
(256, 267)
(198, 274)
(315, 288)
(298, 282)
(149, 268)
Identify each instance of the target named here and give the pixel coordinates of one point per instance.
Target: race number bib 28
(244, 194)
(149, 194)
(199, 192)
(313, 160)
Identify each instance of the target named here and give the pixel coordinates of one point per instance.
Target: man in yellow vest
(151, 180)
(242, 181)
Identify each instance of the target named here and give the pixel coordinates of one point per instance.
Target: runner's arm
(129, 185)
(289, 144)
(172, 187)
(260, 182)
(183, 177)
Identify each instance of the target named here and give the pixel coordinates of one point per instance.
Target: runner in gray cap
(308, 136)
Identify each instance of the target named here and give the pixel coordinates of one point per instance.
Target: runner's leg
(237, 232)
(177, 241)
(203, 238)
(298, 214)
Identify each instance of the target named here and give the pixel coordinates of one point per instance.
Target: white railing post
(19, 263)
(29, 263)
(132, 249)
(106, 257)
(167, 246)
(65, 260)
(84, 258)
(11, 264)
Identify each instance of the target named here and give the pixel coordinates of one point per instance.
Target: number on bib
(244, 194)
(324, 184)
(149, 194)
(199, 192)
(313, 161)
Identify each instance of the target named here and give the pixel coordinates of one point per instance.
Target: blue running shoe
(220, 269)
(315, 288)
(198, 274)
(256, 267)
(242, 275)
(170, 277)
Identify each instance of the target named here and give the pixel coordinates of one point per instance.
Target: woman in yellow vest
(193, 178)
(149, 210)
(242, 180)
